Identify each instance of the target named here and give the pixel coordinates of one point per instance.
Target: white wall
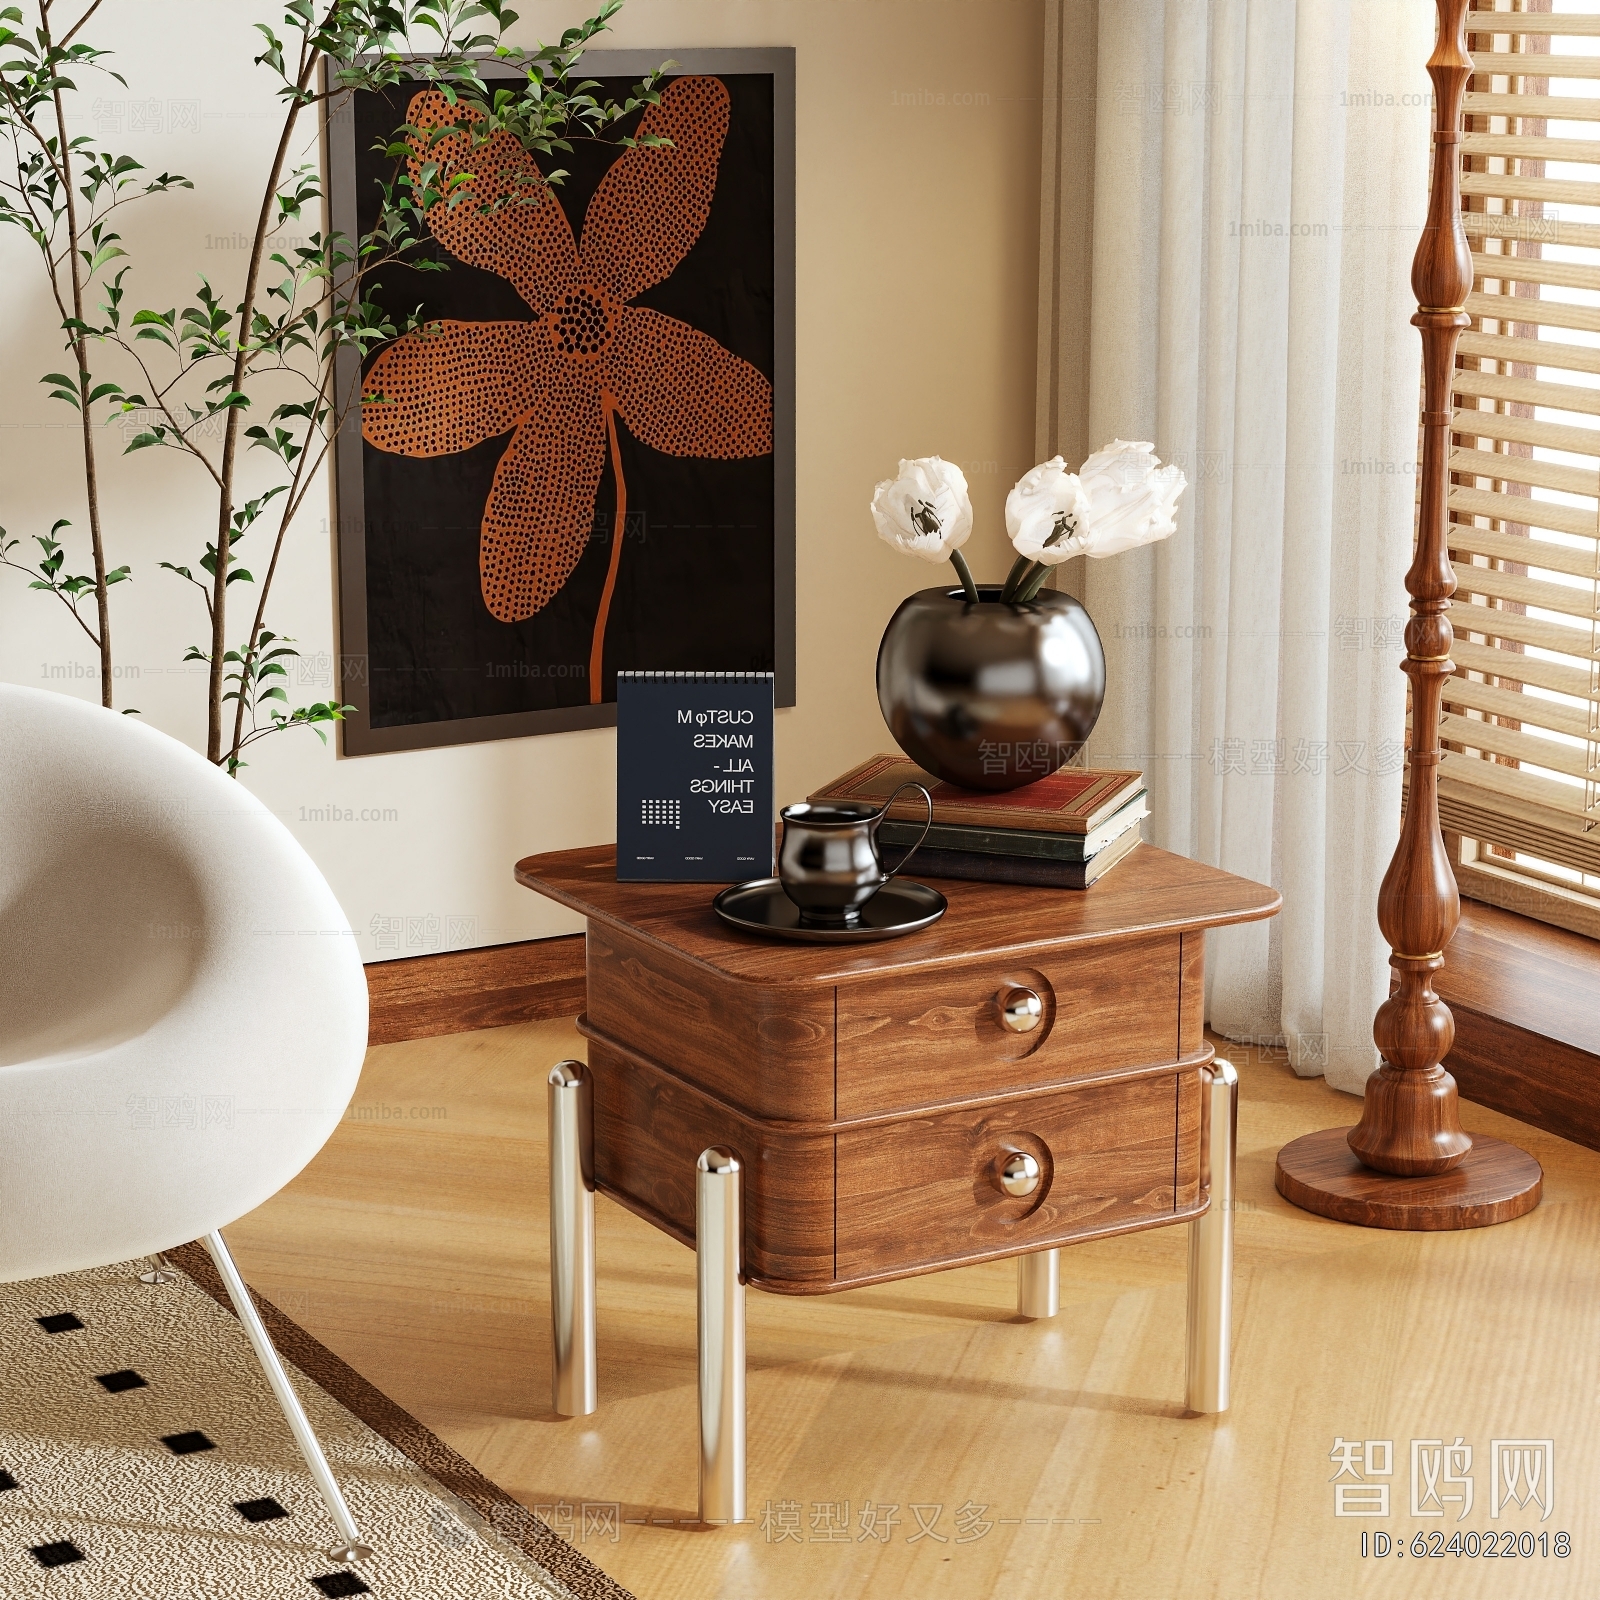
(917, 219)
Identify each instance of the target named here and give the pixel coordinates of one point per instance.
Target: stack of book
(1064, 832)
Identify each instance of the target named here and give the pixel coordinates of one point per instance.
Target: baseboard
(1526, 1000)
(421, 997)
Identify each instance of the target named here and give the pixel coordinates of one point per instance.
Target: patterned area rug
(142, 1455)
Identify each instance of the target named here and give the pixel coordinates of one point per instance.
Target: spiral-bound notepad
(694, 776)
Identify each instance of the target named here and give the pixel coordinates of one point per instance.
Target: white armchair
(183, 1012)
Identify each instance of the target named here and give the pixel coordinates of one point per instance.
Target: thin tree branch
(160, 400)
(80, 354)
(309, 58)
(77, 27)
(299, 479)
(66, 599)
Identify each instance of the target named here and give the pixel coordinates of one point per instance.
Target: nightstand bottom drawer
(927, 1191)
(826, 1206)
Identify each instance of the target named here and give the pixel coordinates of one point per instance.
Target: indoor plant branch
(305, 471)
(309, 57)
(326, 307)
(91, 475)
(23, 92)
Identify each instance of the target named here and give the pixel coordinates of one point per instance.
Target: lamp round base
(1494, 1182)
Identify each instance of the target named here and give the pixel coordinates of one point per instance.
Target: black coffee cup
(828, 861)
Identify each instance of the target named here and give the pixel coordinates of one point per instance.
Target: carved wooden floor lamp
(1408, 1163)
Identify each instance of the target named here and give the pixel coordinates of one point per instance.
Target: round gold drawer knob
(1021, 1010)
(1019, 1173)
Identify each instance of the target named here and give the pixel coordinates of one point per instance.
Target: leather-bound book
(1079, 847)
(986, 867)
(1073, 800)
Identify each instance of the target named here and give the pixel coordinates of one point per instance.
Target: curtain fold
(1258, 178)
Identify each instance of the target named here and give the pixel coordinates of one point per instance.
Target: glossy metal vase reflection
(990, 696)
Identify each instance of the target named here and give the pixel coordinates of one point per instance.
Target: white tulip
(925, 511)
(1039, 513)
(1125, 498)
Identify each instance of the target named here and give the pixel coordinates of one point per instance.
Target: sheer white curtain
(1233, 191)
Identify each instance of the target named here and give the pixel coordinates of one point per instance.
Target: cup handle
(928, 799)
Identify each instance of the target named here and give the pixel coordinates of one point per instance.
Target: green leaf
(106, 252)
(67, 387)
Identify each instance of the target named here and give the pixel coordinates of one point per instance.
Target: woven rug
(142, 1455)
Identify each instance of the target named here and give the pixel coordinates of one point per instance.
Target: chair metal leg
(574, 1372)
(721, 1321)
(350, 1547)
(158, 1272)
(1211, 1246)
(1039, 1284)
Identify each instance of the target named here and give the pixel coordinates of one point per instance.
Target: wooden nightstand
(1029, 1072)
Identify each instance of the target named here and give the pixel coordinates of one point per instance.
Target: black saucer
(761, 906)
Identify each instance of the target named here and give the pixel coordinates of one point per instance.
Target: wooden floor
(1057, 1454)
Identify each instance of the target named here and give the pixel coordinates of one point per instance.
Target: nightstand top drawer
(1152, 891)
(933, 1038)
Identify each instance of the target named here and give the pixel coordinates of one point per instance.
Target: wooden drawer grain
(1192, 995)
(933, 1038)
(649, 1130)
(768, 1051)
(1186, 1176)
(924, 1192)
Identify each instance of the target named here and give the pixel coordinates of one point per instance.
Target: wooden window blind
(1520, 786)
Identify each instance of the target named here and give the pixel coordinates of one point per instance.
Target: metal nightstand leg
(1039, 1284)
(1211, 1248)
(718, 1219)
(574, 1388)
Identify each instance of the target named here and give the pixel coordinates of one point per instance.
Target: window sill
(1526, 1000)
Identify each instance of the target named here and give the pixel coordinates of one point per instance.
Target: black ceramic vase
(990, 696)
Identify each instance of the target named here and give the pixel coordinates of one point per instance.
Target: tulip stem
(1030, 586)
(964, 573)
(1026, 577)
(1014, 578)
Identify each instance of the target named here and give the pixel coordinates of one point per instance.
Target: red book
(1072, 800)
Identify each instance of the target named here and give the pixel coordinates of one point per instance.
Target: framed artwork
(583, 461)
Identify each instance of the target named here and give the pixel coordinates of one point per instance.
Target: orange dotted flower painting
(560, 382)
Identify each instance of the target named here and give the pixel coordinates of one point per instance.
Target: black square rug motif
(57, 1554)
(338, 1583)
(187, 1444)
(264, 1510)
(121, 1382)
(60, 1322)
